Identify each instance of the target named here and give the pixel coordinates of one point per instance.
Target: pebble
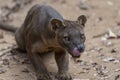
(98, 49)
(109, 43)
(117, 77)
(110, 3)
(2, 71)
(5, 62)
(25, 70)
(117, 70)
(113, 51)
(83, 5)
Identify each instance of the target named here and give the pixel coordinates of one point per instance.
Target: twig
(2, 53)
(7, 50)
(99, 35)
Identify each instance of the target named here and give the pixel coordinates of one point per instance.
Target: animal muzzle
(81, 48)
(78, 50)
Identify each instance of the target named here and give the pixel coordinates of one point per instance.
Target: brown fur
(44, 30)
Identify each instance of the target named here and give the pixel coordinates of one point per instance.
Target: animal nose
(81, 47)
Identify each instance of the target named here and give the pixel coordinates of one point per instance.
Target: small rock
(94, 64)
(117, 61)
(104, 40)
(110, 3)
(117, 70)
(101, 56)
(5, 14)
(25, 70)
(101, 70)
(2, 71)
(98, 49)
(83, 63)
(86, 70)
(111, 34)
(83, 5)
(117, 77)
(109, 43)
(98, 19)
(5, 62)
(113, 51)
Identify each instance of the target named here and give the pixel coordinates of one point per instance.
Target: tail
(7, 27)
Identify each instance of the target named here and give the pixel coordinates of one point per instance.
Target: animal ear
(82, 20)
(56, 24)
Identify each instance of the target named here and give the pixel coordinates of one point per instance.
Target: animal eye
(66, 38)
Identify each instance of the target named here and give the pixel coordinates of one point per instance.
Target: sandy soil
(101, 59)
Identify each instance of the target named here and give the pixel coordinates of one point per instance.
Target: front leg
(42, 73)
(62, 60)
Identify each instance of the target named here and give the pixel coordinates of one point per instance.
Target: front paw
(64, 76)
(46, 76)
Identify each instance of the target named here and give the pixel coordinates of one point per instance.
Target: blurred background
(101, 59)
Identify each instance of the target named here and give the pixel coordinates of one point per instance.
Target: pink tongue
(76, 52)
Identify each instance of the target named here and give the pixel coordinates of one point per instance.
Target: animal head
(70, 34)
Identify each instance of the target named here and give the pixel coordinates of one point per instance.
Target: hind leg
(19, 37)
(20, 42)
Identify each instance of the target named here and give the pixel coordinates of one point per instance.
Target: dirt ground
(101, 59)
